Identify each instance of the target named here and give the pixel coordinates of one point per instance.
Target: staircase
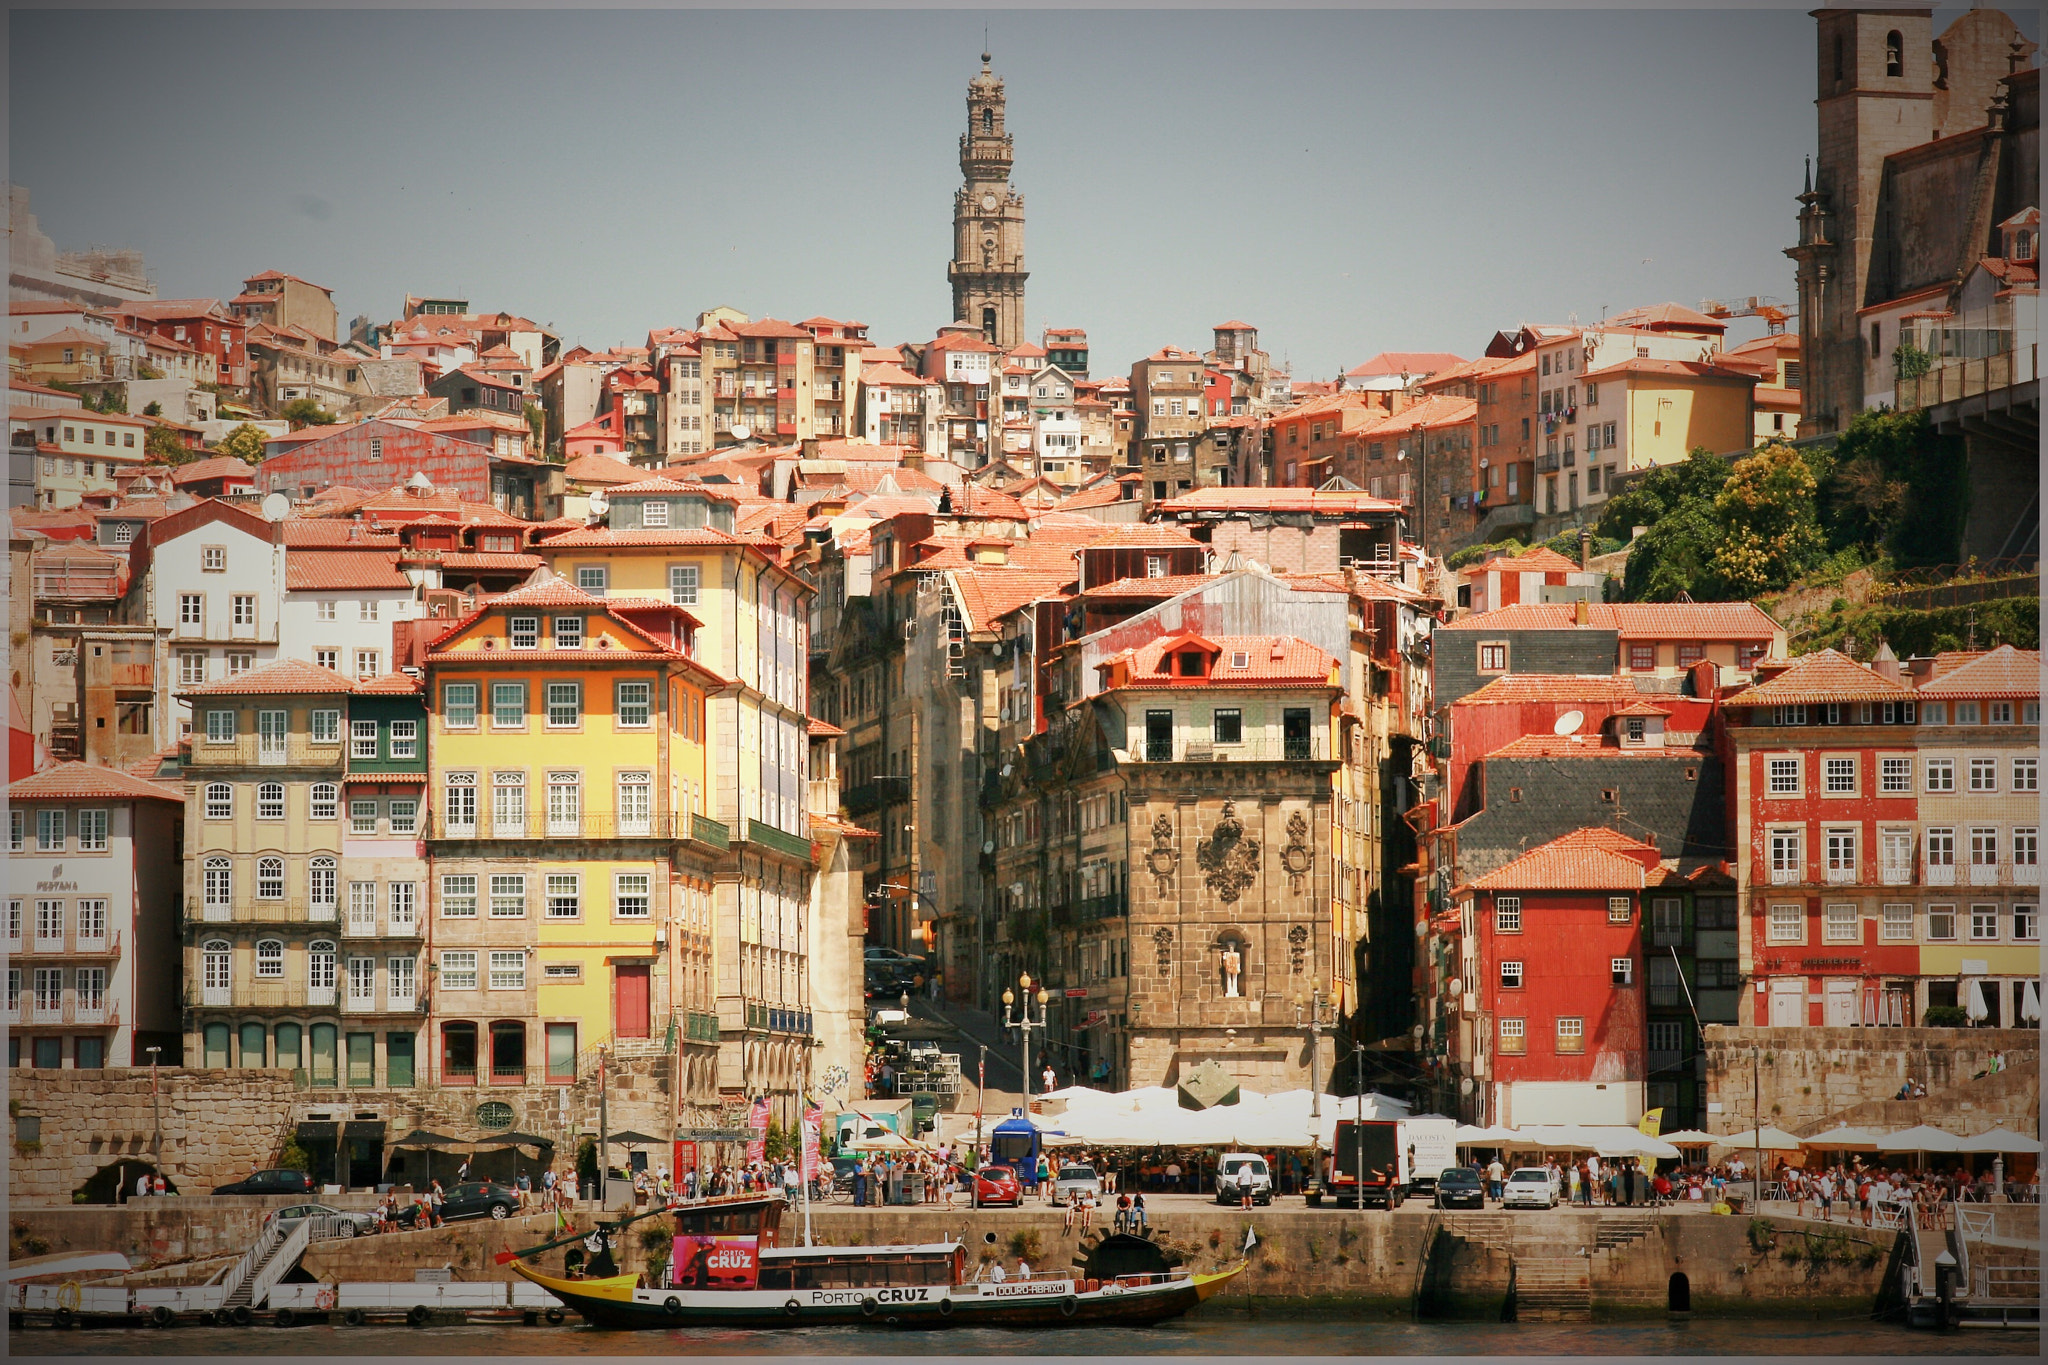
(1551, 1289)
(264, 1264)
(1544, 1285)
(1622, 1229)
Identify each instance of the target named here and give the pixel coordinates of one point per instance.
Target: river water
(1218, 1336)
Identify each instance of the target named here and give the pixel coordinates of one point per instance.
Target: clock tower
(987, 269)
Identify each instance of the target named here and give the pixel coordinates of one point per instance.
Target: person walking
(462, 1172)
(1495, 1174)
(1173, 1175)
(1245, 1180)
(1573, 1174)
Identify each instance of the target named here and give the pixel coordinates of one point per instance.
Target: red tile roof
(1512, 689)
(2003, 673)
(601, 469)
(1541, 559)
(973, 500)
(285, 677)
(389, 685)
(1584, 860)
(88, 782)
(1159, 589)
(989, 593)
(599, 537)
(1667, 316)
(1592, 746)
(1675, 369)
(1635, 620)
(487, 562)
(343, 570)
(1642, 708)
(1143, 536)
(1270, 660)
(1404, 362)
(824, 729)
(219, 467)
(1829, 675)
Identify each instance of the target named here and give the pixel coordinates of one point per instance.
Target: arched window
(216, 1045)
(270, 959)
(320, 888)
(324, 1038)
(288, 1045)
(320, 966)
(216, 974)
(220, 801)
(220, 887)
(270, 801)
(1894, 54)
(270, 879)
(988, 119)
(325, 801)
(252, 1044)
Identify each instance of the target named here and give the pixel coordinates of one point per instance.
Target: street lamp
(1024, 1023)
(1314, 1004)
(156, 1121)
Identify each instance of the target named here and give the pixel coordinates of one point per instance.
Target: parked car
(1459, 1187)
(1076, 1178)
(352, 1223)
(472, 1199)
(1530, 1187)
(1227, 1167)
(269, 1182)
(998, 1185)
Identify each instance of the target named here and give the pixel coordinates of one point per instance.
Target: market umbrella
(1843, 1138)
(420, 1137)
(2000, 1140)
(1920, 1139)
(1771, 1139)
(1689, 1137)
(522, 1140)
(629, 1138)
(1469, 1136)
(1973, 1003)
(2030, 1004)
(887, 1142)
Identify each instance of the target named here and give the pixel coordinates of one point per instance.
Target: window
(458, 705)
(403, 907)
(1571, 1034)
(1619, 910)
(1934, 713)
(220, 727)
(1897, 924)
(508, 896)
(191, 667)
(1667, 922)
(270, 879)
(1510, 976)
(368, 663)
(270, 959)
(654, 513)
(459, 803)
(49, 831)
(1895, 774)
(362, 818)
(1622, 970)
(565, 803)
(1840, 845)
(508, 804)
(1941, 923)
(1839, 775)
(561, 1049)
(1983, 847)
(405, 816)
(1514, 1039)
(213, 559)
(362, 739)
(458, 971)
(1983, 923)
(329, 659)
(320, 887)
(1507, 914)
(632, 895)
(458, 896)
(2026, 846)
(565, 705)
(524, 632)
(682, 584)
(324, 611)
(1642, 658)
(593, 579)
(1966, 713)
(405, 739)
(508, 970)
(245, 608)
(1228, 725)
(1840, 924)
(634, 704)
(270, 801)
(366, 609)
(1784, 774)
(191, 609)
(1493, 658)
(399, 988)
(1786, 863)
(565, 895)
(2026, 774)
(568, 632)
(1788, 924)
(2026, 923)
(508, 706)
(325, 727)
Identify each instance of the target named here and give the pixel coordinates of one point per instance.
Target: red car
(998, 1185)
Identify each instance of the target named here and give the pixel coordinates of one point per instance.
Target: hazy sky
(1347, 182)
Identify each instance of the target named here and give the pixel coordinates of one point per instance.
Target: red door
(631, 993)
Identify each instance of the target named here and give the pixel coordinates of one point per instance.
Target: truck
(1428, 1146)
(1374, 1143)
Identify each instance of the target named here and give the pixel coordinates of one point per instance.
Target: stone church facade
(987, 270)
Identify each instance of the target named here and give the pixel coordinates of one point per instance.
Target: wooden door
(632, 990)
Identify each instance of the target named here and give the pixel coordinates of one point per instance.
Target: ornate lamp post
(1319, 1011)
(1024, 1023)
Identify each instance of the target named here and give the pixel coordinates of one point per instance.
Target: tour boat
(727, 1270)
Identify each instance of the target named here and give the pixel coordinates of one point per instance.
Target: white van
(1227, 1168)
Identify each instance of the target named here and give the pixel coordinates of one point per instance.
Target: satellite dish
(276, 506)
(742, 432)
(1569, 723)
(988, 846)
(599, 504)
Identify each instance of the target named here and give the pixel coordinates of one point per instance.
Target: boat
(728, 1270)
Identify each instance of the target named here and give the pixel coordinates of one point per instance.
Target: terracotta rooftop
(2005, 672)
(87, 782)
(1592, 746)
(285, 677)
(1828, 676)
(344, 570)
(1333, 503)
(1404, 362)
(1635, 620)
(599, 537)
(1514, 688)
(1585, 860)
(1270, 660)
(1541, 559)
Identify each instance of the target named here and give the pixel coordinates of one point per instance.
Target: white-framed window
(220, 801)
(565, 803)
(508, 706)
(270, 801)
(362, 982)
(1788, 715)
(366, 609)
(92, 831)
(654, 514)
(245, 608)
(1839, 845)
(1998, 713)
(2026, 922)
(635, 803)
(270, 879)
(1966, 713)
(1788, 924)
(1622, 970)
(213, 559)
(565, 705)
(17, 830)
(362, 739)
(324, 611)
(1784, 776)
(328, 658)
(508, 970)
(240, 661)
(320, 887)
(1620, 910)
(1934, 713)
(682, 584)
(405, 816)
(270, 959)
(1897, 924)
(1507, 914)
(1514, 1037)
(1841, 924)
(405, 739)
(1941, 923)
(568, 632)
(2026, 846)
(1983, 923)
(508, 895)
(523, 632)
(362, 817)
(220, 727)
(458, 705)
(191, 609)
(1510, 975)
(458, 895)
(1895, 774)
(1941, 773)
(634, 704)
(2026, 774)
(325, 727)
(399, 988)
(50, 924)
(369, 663)
(15, 908)
(219, 883)
(565, 895)
(458, 971)
(1571, 1033)
(404, 911)
(458, 795)
(1983, 774)
(191, 667)
(508, 804)
(593, 579)
(632, 895)
(1787, 866)
(1838, 776)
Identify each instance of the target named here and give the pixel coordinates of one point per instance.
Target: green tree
(1770, 525)
(165, 446)
(245, 443)
(293, 1157)
(537, 424)
(1662, 490)
(153, 410)
(305, 412)
(1895, 485)
(1674, 555)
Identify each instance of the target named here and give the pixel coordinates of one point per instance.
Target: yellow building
(673, 543)
(572, 857)
(1644, 412)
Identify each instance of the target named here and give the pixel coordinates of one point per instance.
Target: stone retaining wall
(1811, 1076)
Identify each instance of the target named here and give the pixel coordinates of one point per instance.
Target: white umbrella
(2030, 1004)
(1469, 1136)
(1973, 1003)
(1920, 1139)
(1843, 1138)
(1690, 1137)
(2000, 1140)
(1772, 1139)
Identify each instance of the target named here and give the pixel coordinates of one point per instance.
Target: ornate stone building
(987, 269)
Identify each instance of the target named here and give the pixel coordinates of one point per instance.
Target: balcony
(1895, 874)
(1840, 875)
(1938, 874)
(68, 945)
(558, 826)
(705, 830)
(795, 845)
(1786, 876)
(1971, 378)
(1297, 750)
(1093, 908)
(30, 1013)
(265, 995)
(1984, 874)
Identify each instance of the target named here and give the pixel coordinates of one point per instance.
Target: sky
(1348, 182)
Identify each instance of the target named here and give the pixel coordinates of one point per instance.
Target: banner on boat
(1022, 1289)
(703, 1262)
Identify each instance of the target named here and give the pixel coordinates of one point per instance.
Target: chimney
(1582, 612)
(1886, 664)
(1585, 547)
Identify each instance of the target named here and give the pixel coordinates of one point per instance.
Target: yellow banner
(1651, 1123)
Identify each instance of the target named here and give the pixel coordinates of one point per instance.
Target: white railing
(217, 995)
(2026, 874)
(1983, 874)
(251, 1258)
(1840, 876)
(280, 1261)
(320, 995)
(1895, 874)
(1938, 874)
(1784, 876)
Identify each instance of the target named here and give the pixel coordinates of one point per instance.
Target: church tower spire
(987, 269)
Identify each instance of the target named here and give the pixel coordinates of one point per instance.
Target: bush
(293, 1157)
(586, 1163)
(1944, 1016)
(1762, 1234)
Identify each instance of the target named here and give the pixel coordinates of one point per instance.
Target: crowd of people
(1879, 1196)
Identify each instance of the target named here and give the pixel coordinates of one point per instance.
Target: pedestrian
(143, 1185)
(1023, 1269)
(1073, 1212)
(1087, 1211)
(1824, 1195)
(462, 1171)
(1173, 1176)
(1495, 1173)
(996, 1273)
(860, 1183)
(1138, 1223)
(1573, 1196)
(1047, 1077)
(1245, 1180)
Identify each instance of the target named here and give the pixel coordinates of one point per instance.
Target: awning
(516, 1139)
(420, 1137)
(317, 1131)
(364, 1128)
(629, 1138)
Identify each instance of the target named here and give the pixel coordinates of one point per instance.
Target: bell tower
(987, 269)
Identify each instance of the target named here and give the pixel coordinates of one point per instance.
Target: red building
(1552, 950)
(203, 324)
(378, 454)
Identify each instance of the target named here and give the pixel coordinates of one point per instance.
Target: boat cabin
(940, 1263)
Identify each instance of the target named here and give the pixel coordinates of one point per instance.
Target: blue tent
(1017, 1141)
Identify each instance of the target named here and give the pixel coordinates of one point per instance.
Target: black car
(269, 1182)
(471, 1199)
(1459, 1188)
